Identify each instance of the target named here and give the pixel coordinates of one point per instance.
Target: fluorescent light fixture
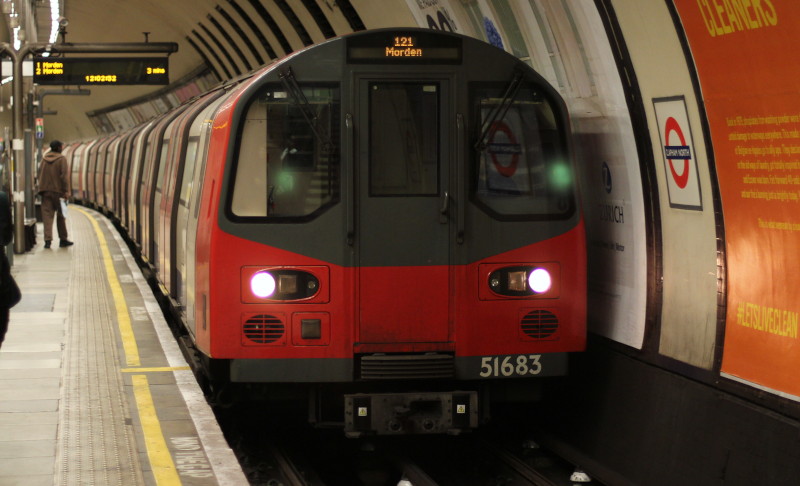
(55, 15)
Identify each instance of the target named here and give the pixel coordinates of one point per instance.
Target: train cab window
(287, 165)
(404, 146)
(522, 167)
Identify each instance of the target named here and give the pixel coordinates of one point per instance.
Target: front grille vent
(539, 324)
(407, 367)
(263, 328)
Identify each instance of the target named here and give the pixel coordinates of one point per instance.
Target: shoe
(47, 243)
(64, 243)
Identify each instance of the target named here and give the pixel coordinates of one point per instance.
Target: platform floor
(93, 388)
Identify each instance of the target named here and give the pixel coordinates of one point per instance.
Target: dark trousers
(51, 206)
(4, 314)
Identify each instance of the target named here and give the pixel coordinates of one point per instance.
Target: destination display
(399, 47)
(101, 70)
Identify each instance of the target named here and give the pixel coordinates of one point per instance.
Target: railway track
(283, 451)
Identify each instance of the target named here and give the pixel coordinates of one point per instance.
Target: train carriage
(389, 218)
(177, 182)
(154, 161)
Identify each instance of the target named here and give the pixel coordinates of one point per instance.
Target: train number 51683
(519, 365)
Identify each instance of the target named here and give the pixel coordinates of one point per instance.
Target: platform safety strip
(163, 467)
(123, 318)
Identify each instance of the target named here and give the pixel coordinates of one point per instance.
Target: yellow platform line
(157, 451)
(123, 318)
(155, 369)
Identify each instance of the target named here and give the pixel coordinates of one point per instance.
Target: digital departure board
(398, 47)
(100, 70)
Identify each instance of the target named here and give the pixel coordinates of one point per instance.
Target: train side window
(287, 168)
(522, 169)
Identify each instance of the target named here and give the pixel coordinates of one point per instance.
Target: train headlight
(524, 280)
(262, 284)
(278, 284)
(539, 280)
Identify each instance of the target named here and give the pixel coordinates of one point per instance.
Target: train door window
(136, 172)
(288, 165)
(200, 170)
(404, 147)
(162, 164)
(188, 171)
(144, 165)
(522, 167)
(109, 160)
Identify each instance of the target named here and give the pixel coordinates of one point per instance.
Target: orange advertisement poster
(749, 70)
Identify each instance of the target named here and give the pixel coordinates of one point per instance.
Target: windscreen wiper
(499, 111)
(290, 84)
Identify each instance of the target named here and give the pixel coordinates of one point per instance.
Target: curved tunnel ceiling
(217, 40)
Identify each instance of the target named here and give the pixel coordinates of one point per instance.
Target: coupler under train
(410, 413)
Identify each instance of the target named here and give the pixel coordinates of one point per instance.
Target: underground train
(386, 225)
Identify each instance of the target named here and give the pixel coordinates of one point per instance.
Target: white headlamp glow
(262, 284)
(540, 281)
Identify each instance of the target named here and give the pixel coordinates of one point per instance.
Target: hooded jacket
(53, 173)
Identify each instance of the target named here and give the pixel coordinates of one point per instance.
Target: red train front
(384, 225)
(393, 208)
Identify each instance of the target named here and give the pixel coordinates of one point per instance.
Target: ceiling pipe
(97, 48)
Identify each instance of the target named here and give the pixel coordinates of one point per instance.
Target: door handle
(444, 208)
(461, 140)
(350, 230)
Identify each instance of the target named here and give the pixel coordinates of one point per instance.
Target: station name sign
(101, 70)
(397, 47)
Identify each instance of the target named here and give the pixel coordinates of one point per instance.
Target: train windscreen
(287, 167)
(522, 168)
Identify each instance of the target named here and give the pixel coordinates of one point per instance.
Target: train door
(142, 146)
(402, 205)
(98, 171)
(112, 162)
(158, 195)
(83, 174)
(189, 214)
(105, 187)
(75, 167)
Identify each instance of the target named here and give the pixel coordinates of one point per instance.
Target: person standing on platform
(53, 185)
(9, 291)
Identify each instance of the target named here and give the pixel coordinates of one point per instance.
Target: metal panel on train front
(403, 233)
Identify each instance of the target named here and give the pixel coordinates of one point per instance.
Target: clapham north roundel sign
(677, 153)
(680, 164)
